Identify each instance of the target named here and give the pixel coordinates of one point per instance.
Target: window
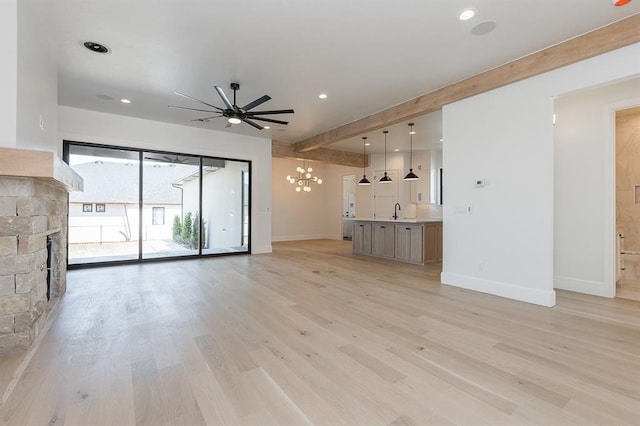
(157, 216)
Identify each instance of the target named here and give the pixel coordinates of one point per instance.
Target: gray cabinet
(383, 239)
(409, 243)
(362, 237)
(412, 242)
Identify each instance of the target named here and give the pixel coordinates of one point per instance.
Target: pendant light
(411, 175)
(364, 180)
(385, 178)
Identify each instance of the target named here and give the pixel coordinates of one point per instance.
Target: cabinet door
(409, 241)
(383, 239)
(433, 242)
(362, 237)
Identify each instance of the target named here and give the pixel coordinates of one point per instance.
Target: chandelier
(304, 179)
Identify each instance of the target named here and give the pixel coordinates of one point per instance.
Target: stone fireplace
(33, 239)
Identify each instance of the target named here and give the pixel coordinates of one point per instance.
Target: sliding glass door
(103, 220)
(223, 206)
(170, 218)
(143, 205)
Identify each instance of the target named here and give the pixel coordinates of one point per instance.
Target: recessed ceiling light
(620, 2)
(467, 14)
(397, 149)
(322, 96)
(125, 101)
(96, 47)
(267, 127)
(441, 140)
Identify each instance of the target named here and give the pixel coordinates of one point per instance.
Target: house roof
(117, 182)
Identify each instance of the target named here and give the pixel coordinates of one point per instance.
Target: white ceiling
(367, 55)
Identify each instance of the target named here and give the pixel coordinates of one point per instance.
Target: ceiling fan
(173, 160)
(233, 113)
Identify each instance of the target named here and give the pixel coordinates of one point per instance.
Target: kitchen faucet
(395, 213)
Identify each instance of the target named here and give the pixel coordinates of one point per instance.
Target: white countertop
(399, 220)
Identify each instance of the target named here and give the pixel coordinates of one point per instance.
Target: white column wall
(110, 129)
(8, 71)
(37, 81)
(505, 136)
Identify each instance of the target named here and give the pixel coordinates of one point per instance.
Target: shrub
(187, 228)
(195, 232)
(177, 229)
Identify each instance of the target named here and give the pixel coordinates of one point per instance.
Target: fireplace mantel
(43, 165)
(34, 187)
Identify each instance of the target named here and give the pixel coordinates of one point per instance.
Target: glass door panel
(225, 206)
(171, 206)
(103, 220)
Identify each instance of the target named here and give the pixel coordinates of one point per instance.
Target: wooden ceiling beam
(605, 39)
(331, 156)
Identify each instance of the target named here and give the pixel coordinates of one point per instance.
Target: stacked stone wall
(30, 210)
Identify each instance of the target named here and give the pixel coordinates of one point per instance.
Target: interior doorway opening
(348, 205)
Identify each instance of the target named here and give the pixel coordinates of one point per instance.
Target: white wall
(90, 126)
(583, 187)
(8, 71)
(505, 246)
(37, 79)
(307, 215)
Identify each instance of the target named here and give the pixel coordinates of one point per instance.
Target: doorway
(348, 205)
(627, 202)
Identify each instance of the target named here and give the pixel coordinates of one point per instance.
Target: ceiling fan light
(234, 120)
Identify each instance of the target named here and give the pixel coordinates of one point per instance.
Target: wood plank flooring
(314, 335)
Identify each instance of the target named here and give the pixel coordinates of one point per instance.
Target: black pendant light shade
(364, 180)
(385, 178)
(411, 175)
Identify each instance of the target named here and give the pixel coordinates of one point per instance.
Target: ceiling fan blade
(277, 111)
(206, 119)
(251, 123)
(270, 120)
(224, 97)
(191, 109)
(197, 100)
(255, 103)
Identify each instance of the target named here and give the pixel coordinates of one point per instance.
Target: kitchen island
(407, 240)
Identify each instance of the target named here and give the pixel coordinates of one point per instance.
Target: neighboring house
(225, 202)
(107, 210)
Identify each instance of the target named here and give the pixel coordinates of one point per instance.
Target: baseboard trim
(282, 238)
(594, 288)
(261, 249)
(497, 288)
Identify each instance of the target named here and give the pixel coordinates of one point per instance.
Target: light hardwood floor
(312, 334)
